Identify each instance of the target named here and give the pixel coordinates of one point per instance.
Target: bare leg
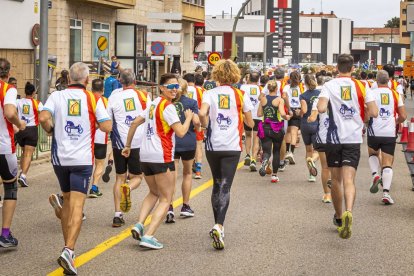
(64, 219)
(255, 145)
(97, 173)
(150, 200)
(165, 184)
(337, 194)
(348, 174)
(26, 158)
(135, 180)
(248, 142)
(74, 222)
(326, 174)
(120, 179)
(9, 206)
(187, 181)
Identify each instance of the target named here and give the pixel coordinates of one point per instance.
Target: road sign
(157, 58)
(410, 18)
(213, 58)
(102, 43)
(36, 35)
(157, 48)
(164, 37)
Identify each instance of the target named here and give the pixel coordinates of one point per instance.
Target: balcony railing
(117, 4)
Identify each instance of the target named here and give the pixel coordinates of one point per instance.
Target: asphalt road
(271, 229)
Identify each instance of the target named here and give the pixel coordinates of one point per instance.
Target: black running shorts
(385, 144)
(255, 128)
(27, 137)
(341, 155)
(100, 151)
(150, 169)
(131, 164)
(8, 166)
(184, 155)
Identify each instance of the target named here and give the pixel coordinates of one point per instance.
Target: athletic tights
(223, 166)
(274, 139)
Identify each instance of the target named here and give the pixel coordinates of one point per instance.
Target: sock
(374, 164)
(5, 232)
(292, 149)
(287, 147)
(94, 188)
(118, 214)
(387, 174)
(282, 162)
(110, 162)
(22, 175)
(148, 236)
(198, 167)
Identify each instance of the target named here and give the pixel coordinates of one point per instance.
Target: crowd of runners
(198, 114)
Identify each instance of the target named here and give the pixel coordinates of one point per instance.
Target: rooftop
(321, 14)
(376, 31)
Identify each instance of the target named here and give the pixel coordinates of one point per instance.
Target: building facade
(404, 35)
(17, 44)
(387, 35)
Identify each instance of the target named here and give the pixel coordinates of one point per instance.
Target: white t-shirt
(323, 123)
(75, 112)
(123, 107)
(28, 110)
(384, 124)
(293, 94)
(8, 95)
(253, 92)
(225, 128)
(392, 85)
(345, 119)
(100, 136)
(158, 144)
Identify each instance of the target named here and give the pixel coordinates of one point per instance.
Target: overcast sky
(365, 13)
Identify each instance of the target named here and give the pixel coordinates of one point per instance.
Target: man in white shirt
(345, 98)
(382, 135)
(71, 116)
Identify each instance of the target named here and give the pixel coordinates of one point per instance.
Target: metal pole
(44, 76)
(412, 45)
(233, 36)
(265, 37)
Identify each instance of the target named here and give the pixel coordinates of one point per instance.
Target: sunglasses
(172, 86)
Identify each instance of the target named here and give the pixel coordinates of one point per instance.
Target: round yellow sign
(213, 58)
(102, 43)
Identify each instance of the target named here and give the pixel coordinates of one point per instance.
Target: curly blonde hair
(226, 72)
(182, 90)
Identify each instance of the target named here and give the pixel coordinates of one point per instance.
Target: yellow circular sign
(213, 58)
(102, 43)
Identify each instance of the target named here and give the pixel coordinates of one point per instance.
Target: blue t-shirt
(188, 142)
(309, 96)
(111, 84)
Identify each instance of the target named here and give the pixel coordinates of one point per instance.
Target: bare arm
(45, 119)
(372, 109)
(314, 115)
(260, 110)
(303, 107)
(203, 114)
(248, 119)
(281, 105)
(10, 112)
(322, 105)
(196, 122)
(181, 129)
(402, 115)
(105, 126)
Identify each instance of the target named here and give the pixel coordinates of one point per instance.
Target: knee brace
(10, 191)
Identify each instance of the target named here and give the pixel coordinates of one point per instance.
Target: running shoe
(376, 180)
(311, 166)
(327, 198)
(197, 175)
(22, 181)
(8, 242)
(345, 230)
(274, 179)
(67, 262)
(283, 166)
(386, 198)
(290, 158)
(247, 160)
(94, 192)
(125, 204)
(105, 176)
(269, 169)
(186, 211)
(337, 222)
(263, 168)
(118, 222)
(137, 231)
(216, 235)
(83, 217)
(56, 201)
(311, 178)
(170, 215)
(253, 166)
(329, 183)
(150, 242)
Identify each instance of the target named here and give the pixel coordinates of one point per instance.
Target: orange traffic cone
(410, 144)
(404, 134)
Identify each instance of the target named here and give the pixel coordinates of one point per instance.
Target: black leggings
(275, 139)
(223, 166)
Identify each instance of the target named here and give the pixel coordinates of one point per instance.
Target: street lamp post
(233, 36)
(44, 76)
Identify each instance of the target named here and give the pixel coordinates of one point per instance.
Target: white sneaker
(216, 235)
(274, 179)
(311, 178)
(290, 158)
(386, 198)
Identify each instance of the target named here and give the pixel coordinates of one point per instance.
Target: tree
(393, 23)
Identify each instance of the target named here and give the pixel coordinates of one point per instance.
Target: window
(309, 35)
(309, 58)
(75, 41)
(195, 2)
(98, 30)
(406, 34)
(404, 22)
(404, 11)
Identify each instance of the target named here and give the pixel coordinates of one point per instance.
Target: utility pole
(44, 76)
(233, 36)
(265, 37)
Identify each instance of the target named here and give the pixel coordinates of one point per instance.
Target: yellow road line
(109, 243)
